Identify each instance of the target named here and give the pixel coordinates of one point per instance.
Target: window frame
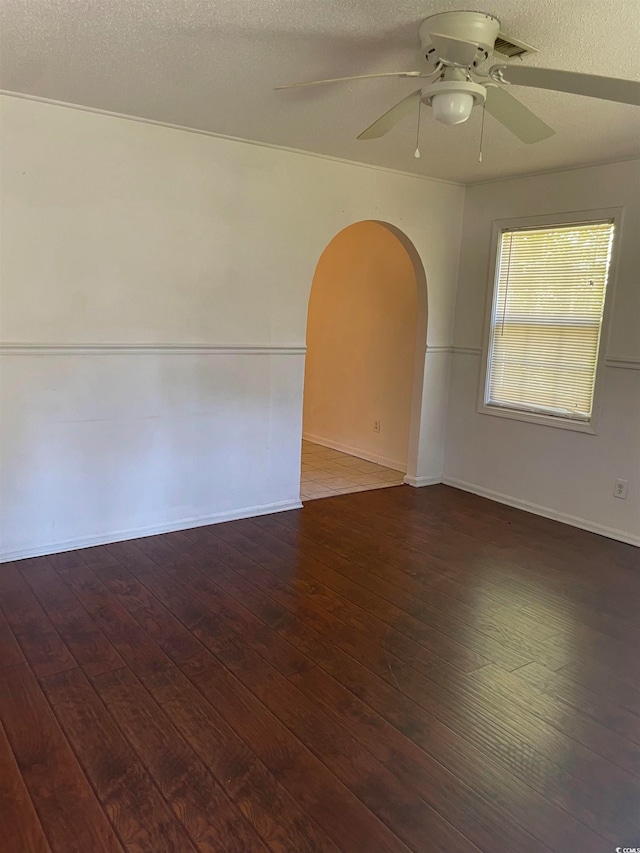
(558, 220)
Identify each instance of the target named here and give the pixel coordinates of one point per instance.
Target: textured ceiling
(212, 65)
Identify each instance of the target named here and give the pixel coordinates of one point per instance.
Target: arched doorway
(366, 338)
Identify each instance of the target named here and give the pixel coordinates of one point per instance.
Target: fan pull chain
(481, 136)
(416, 153)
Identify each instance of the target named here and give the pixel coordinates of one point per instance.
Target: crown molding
(82, 108)
(543, 172)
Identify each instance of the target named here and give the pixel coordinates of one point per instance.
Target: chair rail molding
(140, 348)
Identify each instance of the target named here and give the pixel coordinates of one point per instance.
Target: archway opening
(366, 336)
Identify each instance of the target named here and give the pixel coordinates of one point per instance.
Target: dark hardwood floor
(403, 669)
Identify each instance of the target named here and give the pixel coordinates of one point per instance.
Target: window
(546, 321)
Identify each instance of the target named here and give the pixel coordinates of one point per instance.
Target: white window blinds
(546, 319)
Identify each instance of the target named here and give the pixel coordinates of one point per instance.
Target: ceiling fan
(455, 44)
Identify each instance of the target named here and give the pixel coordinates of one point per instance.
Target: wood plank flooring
(393, 670)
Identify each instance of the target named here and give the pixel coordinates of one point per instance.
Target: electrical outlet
(376, 426)
(620, 489)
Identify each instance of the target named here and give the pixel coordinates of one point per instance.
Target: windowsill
(588, 427)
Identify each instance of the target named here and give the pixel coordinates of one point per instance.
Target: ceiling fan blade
(515, 116)
(454, 50)
(392, 117)
(357, 77)
(607, 88)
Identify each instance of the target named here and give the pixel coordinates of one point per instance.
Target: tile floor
(328, 472)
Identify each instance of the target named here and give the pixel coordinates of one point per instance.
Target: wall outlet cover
(620, 489)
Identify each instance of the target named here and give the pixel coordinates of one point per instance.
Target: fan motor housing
(475, 28)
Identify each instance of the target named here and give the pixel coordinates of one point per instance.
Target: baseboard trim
(152, 530)
(545, 511)
(355, 451)
(418, 482)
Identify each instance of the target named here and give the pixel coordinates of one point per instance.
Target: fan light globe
(452, 107)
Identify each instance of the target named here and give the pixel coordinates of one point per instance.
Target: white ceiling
(212, 65)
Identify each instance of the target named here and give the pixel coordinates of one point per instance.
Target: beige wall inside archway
(361, 345)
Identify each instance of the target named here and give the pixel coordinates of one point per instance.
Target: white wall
(561, 473)
(155, 247)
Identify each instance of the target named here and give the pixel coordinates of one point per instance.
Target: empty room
(319, 426)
